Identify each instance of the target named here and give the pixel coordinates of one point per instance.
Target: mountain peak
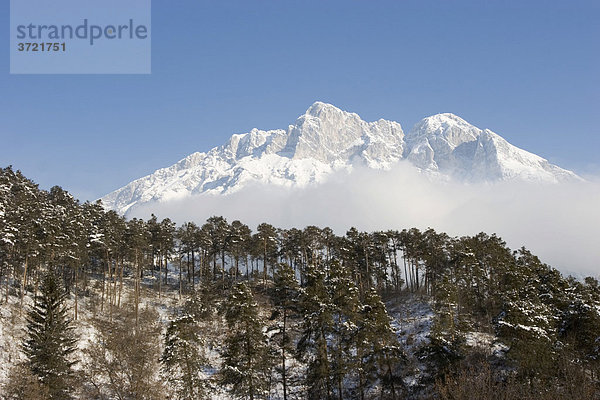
(331, 135)
(446, 117)
(440, 123)
(319, 107)
(325, 139)
(443, 132)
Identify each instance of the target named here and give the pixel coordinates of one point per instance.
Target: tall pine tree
(286, 293)
(246, 359)
(182, 359)
(378, 351)
(312, 347)
(50, 339)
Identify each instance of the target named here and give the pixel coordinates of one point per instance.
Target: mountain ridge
(326, 139)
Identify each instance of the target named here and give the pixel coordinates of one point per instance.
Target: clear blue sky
(529, 70)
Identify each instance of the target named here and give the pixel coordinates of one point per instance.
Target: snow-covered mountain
(326, 139)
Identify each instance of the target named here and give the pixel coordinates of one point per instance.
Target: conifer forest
(97, 306)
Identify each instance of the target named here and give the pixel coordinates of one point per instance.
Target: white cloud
(559, 223)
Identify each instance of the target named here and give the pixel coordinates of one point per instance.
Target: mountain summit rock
(326, 139)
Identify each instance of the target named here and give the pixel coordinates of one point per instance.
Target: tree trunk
(103, 281)
(109, 295)
(405, 271)
(121, 282)
(249, 357)
(188, 266)
(193, 270)
(283, 371)
(417, 273)
(166, 269)
(160, 264)
(223, 265)
(393, 388)
(114, 289)
(180, 285)
(76, 289)
(23, 283)
(265, 263)
(396, 269)
(214, 266)
(137, 288)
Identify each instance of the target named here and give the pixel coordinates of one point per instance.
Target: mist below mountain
(558, 222)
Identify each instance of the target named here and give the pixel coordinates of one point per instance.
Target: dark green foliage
(50, 339)
(441, 354)
(286, 292)
(286, 289)
(202, 302)
(247, 361)
(266, 242)
(317, 326)
(239, 242)
(580, 329)
(216, 232)
(182, 358)
(345, 306)
(348, 345)
(379, 355)
(183, 361)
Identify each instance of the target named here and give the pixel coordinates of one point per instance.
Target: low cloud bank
(559, 223)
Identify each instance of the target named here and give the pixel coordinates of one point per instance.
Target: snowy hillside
(326, 139)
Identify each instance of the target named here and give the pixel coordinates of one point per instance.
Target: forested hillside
(94, 306)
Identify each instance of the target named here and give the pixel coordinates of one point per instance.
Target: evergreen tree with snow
(286, 292)
(317, 326)
(247, 361)
(378, 351)
(217, 231)
(50, 340)
(238, 244)
(182, 359)
(266, 241)
(345, 305)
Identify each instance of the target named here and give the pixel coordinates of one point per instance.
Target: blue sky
(530, 71)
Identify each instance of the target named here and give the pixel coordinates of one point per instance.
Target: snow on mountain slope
(326, 139)
(447, 144)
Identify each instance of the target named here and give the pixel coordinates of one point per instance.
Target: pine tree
(138, 240)
(312, 347)
(345, 301)
(286, 293)
(166, 247)
(266, 236)
(182, 358)
(378, 351)
(188, 237)
(50, 339)
(239, 241)
(246, 359)
(217, 232)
